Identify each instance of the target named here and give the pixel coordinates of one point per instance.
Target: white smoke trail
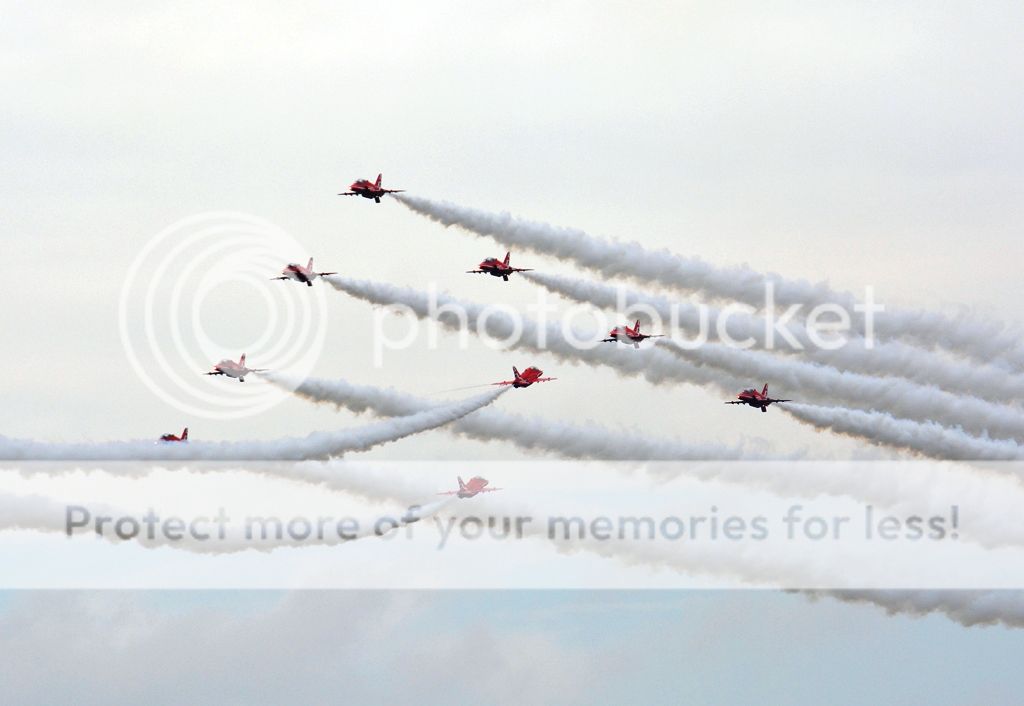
(656, 366)
(316, 445)
(885, 358)
(964, 334)
(334, 475)
(581, 441)
(908, 488)
(966, 607)
(46, 515)
(43, 514)
(906, 398)
(926, 438)
(750, 565)
(820, 383)
(992, 492)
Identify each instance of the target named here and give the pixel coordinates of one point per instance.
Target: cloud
(370, 647)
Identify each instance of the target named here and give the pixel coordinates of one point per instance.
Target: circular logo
(200, 292)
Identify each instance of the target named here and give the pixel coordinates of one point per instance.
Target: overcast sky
(863, 143)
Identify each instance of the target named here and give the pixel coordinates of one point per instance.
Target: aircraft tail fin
(515, 371)
(184, 434)
(462, 483)
(241, 361)
(508, 255)
(764, 392)
(377, 183)
(309, 265)
(636, 326)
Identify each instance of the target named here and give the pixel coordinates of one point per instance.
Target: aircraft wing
(521, 269)
(735, 402)
(656, 335)
(349, 193)
(544, 379)
(392, 191)
(476, 272)
(323, 274)
(609, 340)
(489, 490)
(771, 400)
(273, 278)
(450, 492)
(214, 372)
(505, 382)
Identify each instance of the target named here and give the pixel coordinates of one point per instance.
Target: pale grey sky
(863, 144)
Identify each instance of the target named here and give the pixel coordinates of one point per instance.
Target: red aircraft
(526, 378)
(756, 399)
(369, 189)
(302, 274)
(475, 486)
(497, 268)
(625, 334)
(173, 437)
(233, 369)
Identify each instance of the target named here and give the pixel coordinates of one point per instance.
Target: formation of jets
(491, 266)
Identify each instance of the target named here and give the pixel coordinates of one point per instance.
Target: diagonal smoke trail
(925, 403)
(316, 445)
(984, 341)
(819, 383)
(582, 441)
(967, 607)
(885, 358)
(875, 483)
(926, 438)
(656, 366)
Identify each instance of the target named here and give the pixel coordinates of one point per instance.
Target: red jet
(756, 399)
(526, 378)
(475, 486)
(172, 437)
(497, 268)
(369, 189)
(625, 334)
(302, 274)
(233, 369)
